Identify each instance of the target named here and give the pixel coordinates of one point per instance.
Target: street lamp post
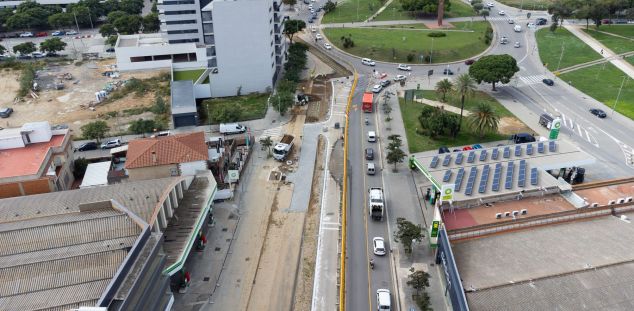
(619, 94)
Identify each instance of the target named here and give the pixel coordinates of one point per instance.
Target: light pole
(619, 94)
(561, 56)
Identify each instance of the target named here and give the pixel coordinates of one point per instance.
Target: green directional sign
(434, 229)
(554, 129)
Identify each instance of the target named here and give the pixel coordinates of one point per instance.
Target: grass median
(618, 45)
(603, 82)
(394, 11)
(352, 11)
(395, 45)
(541, 5)
(575, 51)
(471, 102)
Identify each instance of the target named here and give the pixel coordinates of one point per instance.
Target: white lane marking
(587, 136)
(627, 150)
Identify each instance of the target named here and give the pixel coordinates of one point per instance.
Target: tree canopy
(25, 48)
(424, 6)
(52, 45)
(407, 232)
(493, 69)
(95, 130)
(293, 26)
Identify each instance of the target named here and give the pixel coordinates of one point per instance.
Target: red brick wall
(36, 186)
(9, 190)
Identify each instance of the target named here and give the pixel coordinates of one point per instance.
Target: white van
(232, 128)
(517, 28)
(372, 136)
(370, 168)
(383, 301)
(368, 62)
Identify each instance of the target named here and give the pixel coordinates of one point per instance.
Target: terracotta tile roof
(26, 160)
(166, 150)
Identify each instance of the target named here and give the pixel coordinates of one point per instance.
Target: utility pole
(561, 56)
(619, 94)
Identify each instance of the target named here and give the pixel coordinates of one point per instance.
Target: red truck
(368, 98)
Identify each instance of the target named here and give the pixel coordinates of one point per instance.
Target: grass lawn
(394, 45)
(453, 99)
(541, 5)
(603, 85)
(622, 30)
(418, 142)
(575, 50)
(395, 12)
(252, 106)
(407, 26)
(189, 75)
(352, 11)
(616, 44)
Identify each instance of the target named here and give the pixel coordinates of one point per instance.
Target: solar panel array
(529, 149)
(496, 177)
(552, 146)
(495, 153)
(518, 151)
(459, 158)
(447, 160)
(447, 176)
(471, 181)
(507, 152)
(484, 179)
(508, 183)
(534, 176)
(521, 179)
(434, 162)
(471, 157)
(540, 147)
(459, 178)
(483, 155)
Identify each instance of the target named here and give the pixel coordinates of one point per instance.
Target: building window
(179, 2)
(180, 12)
(208, 28)
(163, 57)
(176, 32)
(207, 17)
(138, 59)
(188, 21)
(183, 41)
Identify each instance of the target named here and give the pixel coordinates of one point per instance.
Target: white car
(310, 6)
(511, 21)
(404, 67)
(312, 11)
(501, 13)
(313, 28)
(517, 44)
(72, 33)
(377, 88)
(327, 46)
(490, 4)
(368, 62)
(400, 78)
(111, 144)
(379, 246)
(531, 25)
(38, 55)
(318, 37)
(26, 34)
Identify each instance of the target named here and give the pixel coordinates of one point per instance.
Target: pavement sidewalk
(598, 47)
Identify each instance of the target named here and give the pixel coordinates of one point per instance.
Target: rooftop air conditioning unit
(507, 214)
(628, 199)
(594, 205)
(498, 216)
(621, 201)
(524, 211)
(515, 213)
(611, 202)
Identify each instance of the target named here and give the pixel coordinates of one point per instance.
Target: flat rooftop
(503, 170)
(27, 160)
(605, 194)
(182, 97)
(483, 214)
(550, 266)
(141, 40)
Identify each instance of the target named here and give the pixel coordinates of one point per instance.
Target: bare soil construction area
(69, 105)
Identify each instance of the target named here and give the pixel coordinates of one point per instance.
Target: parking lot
(89, 41)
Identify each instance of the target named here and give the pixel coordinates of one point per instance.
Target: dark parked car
(369, 154)
(520, 138)
(541, 21)
(599, 113)
(24, 57)
(385, 83)
(469, 62)
(5, 112)
(110, 50)
(91, 145)
(443, 149)
(548, 82)
(447, 71)
(52, 54)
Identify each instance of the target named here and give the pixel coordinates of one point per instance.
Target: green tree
(395, 154)
(443, 87)
(151, 23)
(52, 45)
(20, 21)
(95, 130)
(110, 6)
(418, 280)
(25, 48)
(112, 40)
(485, 13)
(561, 9)
(484, 119)
(60, 20)
(2, 49)
(330, 6)
(79, 167)
(282, 101)
(159, 106)
(141, 126)
(423, 301)
(293, 26)
(267, 143)
(107, 30)
(407, 232)
(26, 80)
(493, 69)
(128, 24)
(223, 112)
(82, 14)
(115, 15)
(290, 3)
(423, 6)
(154, 8)
(465, 86)
(477, 7)
(131, 6)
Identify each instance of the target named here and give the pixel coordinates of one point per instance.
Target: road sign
(434, 229)
(430, 72)
(528, 15)
(233, 175)
(446, 192)
(554, 128)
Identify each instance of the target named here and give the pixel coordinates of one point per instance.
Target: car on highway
(377, 88)
(38, 55)
(368, 62)
(327, 46)
(385, 83)
(469, 62)
(400, 78)
(312, 10)
(318, 37)
(530, 25)
(378, 245)
(541, 21)
(517, 44)
(504, 40)
(490, 4)
(310, 20)
(606, 21)
(549, 82)
(501, 13)
(313, 28)
(6, 112)
(598, 112)
(41, 34)
(26, 34)
(511, 21)
(383, 300)
(477, 146)
(448, 72)
(72, 33)
(91, 145)
(371, 136)
(404, 67)
(58, 33)
(111, 144)
(369, 154)
(310, 6)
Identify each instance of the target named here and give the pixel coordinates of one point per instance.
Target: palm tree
(465, 85)
(267, 143)
(484, 119)
(444, 86)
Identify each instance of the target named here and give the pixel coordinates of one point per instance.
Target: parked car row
(28, 34)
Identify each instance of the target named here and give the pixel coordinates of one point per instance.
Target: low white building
(96, 175)
(152, 51)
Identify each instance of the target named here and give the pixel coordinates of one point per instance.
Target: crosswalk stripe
(533, 79)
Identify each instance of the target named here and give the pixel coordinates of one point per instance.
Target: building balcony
(208, 29)
(209, 40)
(278, 40)
(206, 16)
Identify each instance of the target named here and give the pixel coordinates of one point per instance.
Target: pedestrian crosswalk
(274, 133)
(533, 79)
(578, 129)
